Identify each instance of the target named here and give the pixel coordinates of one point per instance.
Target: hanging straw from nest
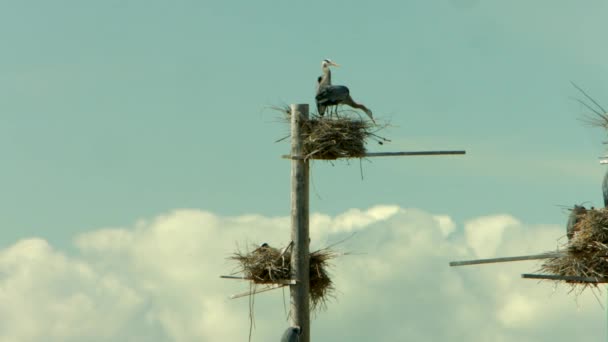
(587, 251)
(321, 286)
(267, 265)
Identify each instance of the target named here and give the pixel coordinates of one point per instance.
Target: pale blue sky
(117, 110)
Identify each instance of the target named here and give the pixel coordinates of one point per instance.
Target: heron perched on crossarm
(292, 334)
(334, 95)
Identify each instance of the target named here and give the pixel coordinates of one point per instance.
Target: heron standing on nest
(334, 95)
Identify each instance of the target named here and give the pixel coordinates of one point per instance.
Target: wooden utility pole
(299, 293)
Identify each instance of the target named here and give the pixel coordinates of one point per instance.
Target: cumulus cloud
(484, 234)
(159, 281)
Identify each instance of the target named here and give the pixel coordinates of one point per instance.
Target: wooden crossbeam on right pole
(565, 278)
(506, 259)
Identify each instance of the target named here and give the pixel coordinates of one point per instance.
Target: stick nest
(266, 265)
(587, 252)
(330, 139)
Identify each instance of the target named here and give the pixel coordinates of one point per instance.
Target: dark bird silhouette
(334, 95)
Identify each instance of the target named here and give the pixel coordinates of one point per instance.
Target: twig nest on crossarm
(587, 252)
(330, 139)
(268, 265)
(264, 265)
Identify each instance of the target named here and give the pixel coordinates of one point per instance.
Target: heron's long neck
(326, 79)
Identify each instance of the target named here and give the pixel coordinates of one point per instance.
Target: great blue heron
(292, 334)
(334, 95)
(575, 216)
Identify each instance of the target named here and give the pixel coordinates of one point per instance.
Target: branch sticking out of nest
(600, 116)
(587, 251)
(267, 265)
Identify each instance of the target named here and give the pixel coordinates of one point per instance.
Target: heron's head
(327, 63)
(264, 245)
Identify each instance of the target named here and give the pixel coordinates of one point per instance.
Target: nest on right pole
(586, 252)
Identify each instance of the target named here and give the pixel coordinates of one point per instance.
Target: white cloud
(446, 225)
(518, 310)
(484, 234)
(159, 281)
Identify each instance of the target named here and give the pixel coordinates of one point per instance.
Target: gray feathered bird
(334, 95)
(292, 334)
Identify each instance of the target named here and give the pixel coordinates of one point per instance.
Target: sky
(138, 148)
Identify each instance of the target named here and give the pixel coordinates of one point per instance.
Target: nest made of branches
(267, 265)
(337, 135)
(586, 253)
(333, 138)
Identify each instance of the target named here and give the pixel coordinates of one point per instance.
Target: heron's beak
(335, 64)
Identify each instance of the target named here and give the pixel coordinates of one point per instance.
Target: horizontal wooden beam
(392, 154)
(506, 259)
(256, 291)
(278, 281)
(565, 278)
(412, 153)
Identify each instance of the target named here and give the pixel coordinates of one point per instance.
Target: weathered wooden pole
(299, 293)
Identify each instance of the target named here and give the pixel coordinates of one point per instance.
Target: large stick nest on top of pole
(329, 139)
(337, 135)
(268, 265)
(586, 252)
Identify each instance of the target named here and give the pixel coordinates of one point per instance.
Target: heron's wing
(331, 95)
